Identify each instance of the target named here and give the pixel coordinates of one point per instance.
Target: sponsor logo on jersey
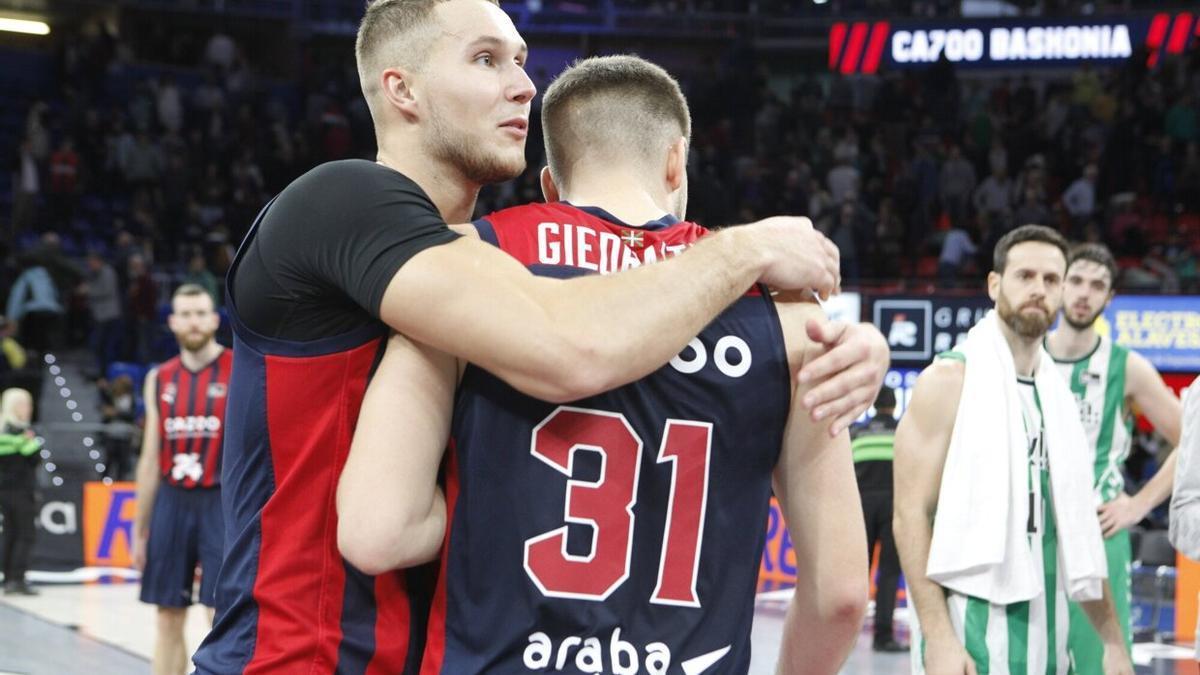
(187, 465)
(216, 390)
(168, 393)
(192, 425)
(618, 656)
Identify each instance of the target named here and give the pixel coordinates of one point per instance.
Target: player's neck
(452, 195)
(622, 196)
(1025, 351)
(1068, 343)
(195, 360)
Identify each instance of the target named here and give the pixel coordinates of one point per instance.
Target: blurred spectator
(12, 354)
(957, 249)
(1181, 121)
(843, 180)
(143, 163)
(142, 309)
(19, 461)
(64, 183)
(169, 103)
(220, 51)
(1080, 198)
(1181, 255)
(995, 193)
(118, 412)
(27, 185)
(37, 132)
(887, 252)
(846, 232)
(34, 306)
(104, 303)
(957, 183)
(1031, 210)
(198, 274)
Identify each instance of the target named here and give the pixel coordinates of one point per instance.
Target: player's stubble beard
(1084, 324)
(1029, 326)
(195, 343)
(470, 157)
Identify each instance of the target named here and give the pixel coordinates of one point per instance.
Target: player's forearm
(375, 539)
(622, 327)
(815, 475)
(1158, 489)
(564, 340)
(815, 642)
(147, 490)
(826, 613)
(1103, 617)
(914, 532)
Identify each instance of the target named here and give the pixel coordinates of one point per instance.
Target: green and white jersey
(1024, 638)
(1098, 382)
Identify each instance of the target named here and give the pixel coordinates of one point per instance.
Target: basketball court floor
(102, 629)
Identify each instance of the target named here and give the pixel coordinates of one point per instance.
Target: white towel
(980, 547)
(1185, 498)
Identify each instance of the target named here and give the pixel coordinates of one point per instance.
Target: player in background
(669, 476)
(956, 405)
(1110, 383)
(179, 522)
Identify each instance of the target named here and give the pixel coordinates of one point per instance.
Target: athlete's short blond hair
(612, 108)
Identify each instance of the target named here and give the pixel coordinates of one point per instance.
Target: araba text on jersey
(589, 655)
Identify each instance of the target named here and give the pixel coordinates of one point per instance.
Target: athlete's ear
(549, 187)
(993, 284)
(676, 164)
(396, 89)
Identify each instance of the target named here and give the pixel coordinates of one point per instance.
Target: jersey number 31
(606, 506)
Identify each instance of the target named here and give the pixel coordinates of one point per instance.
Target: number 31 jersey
(621, 533)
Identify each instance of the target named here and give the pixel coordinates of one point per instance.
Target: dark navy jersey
(621, 533)
(191, 421)
(286, 600)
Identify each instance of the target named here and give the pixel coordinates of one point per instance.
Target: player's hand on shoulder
(847, 373)
(798, 256)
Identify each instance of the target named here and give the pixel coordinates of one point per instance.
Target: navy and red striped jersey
(191, 421)
(287, 602)
(621, 533)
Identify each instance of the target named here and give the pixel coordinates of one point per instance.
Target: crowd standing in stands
(156, 156)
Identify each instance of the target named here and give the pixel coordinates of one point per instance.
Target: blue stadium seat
(135, 371)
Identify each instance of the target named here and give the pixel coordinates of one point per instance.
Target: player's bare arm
(391, 512)
(561, 341)
(844, 378)
(147, 471)
(1103, 617)
(1146, 390)
(922, 443)
(814, 481)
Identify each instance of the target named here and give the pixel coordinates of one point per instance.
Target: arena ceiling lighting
(11, 25)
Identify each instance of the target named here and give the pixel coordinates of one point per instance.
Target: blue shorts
(186, 529)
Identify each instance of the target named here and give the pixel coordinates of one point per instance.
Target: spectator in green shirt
(19, 459)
